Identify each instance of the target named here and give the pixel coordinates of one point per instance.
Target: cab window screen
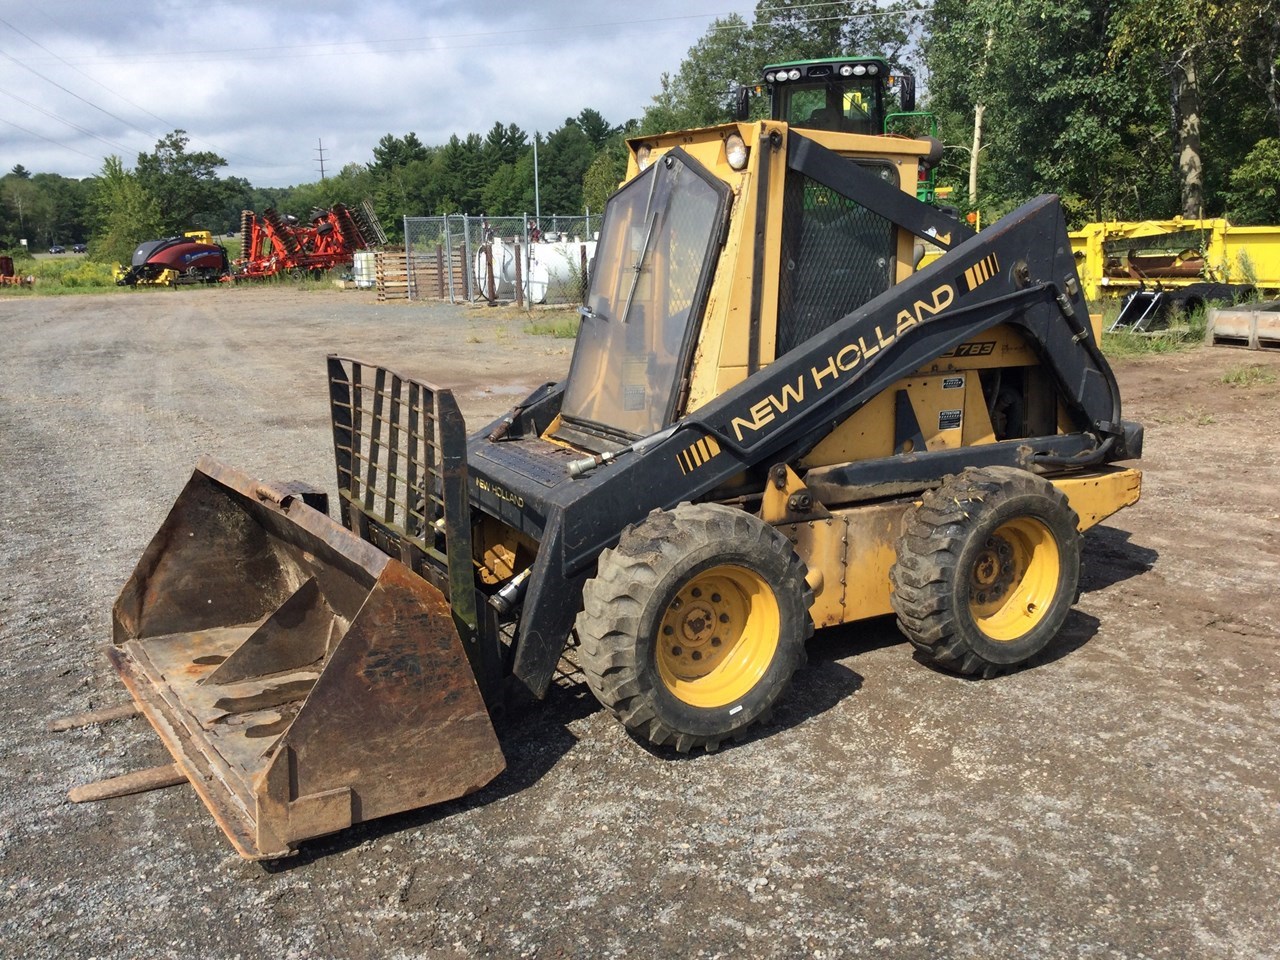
(836, 255)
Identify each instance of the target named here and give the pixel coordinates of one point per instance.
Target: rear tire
(987, 570)
(694, 624)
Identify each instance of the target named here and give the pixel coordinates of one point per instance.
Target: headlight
(642, 156)
(735, 151)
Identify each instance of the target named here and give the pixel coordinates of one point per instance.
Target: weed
(562, 328)
(1124, 343)
(1248, 376)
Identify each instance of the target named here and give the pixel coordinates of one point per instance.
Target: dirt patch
(1121, 798)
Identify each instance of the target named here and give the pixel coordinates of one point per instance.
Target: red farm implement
(274, 244)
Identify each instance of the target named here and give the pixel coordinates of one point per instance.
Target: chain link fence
(463, 259)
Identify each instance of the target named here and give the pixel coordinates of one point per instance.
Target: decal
(844, 361)
(974, 348)
(952, 383)
(501, 493)
(950, 419)
(695, 455)
(979, 273)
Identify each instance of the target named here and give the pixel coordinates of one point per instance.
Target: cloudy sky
(264, 83)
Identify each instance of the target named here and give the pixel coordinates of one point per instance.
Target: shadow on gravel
(1109, 557)
(533, 736)
(1078, 630)
(819, 685)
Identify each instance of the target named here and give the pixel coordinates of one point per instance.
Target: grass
(62, 275)
(1184, 331)
(561, 325)
(58, 276)
(1247, 376)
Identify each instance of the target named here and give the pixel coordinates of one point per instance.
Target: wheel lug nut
(668, 630)
(715, 598)
(982, 598)
(715, 641)
(696, 592)
(697, 654)
(724, 618)
(677, 651)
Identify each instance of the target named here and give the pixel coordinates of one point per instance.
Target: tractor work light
(859, 69)
(735, 151)
(846, 71)
(793, 74)
(769, 77)
(642, 156)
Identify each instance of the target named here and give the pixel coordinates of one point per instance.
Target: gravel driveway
(1119, 799)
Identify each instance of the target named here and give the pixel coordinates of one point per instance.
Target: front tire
(987, 570)
(694, 624)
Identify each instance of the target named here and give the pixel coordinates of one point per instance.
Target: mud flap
(303, 680)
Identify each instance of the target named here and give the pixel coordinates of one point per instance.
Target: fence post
(582, 250)
(408, 260)
(519, 279)
(448, 245)
(493, 288)
(440, 270)
(468, 268)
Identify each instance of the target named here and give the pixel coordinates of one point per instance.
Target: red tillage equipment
(274, 244)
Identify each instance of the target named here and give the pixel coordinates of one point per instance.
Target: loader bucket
(302, 679)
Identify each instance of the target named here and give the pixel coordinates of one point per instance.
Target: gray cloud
(262, 82)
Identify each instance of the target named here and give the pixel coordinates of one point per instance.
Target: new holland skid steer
(772, 421)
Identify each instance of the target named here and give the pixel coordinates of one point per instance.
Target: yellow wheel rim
(718, 636)
(1014, 579)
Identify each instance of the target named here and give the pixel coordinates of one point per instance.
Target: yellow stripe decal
(697, 454)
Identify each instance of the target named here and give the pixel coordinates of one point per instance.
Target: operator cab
(841, 94)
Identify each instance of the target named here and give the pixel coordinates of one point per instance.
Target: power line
(41, 136)
(132, 126)
(75, 126)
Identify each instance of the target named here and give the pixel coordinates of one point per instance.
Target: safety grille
(398, 443)
(836, 255)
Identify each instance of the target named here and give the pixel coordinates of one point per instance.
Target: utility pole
(320, 155)
(537, 200)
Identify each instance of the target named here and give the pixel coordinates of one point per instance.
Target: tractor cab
(841, 94)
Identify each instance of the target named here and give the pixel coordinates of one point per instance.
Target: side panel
(854, 548)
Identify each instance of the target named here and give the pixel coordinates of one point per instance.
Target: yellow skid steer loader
(772, 420)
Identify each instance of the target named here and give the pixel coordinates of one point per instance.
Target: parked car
(79, 248)
(57, 249)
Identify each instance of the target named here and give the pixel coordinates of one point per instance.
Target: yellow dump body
(1115, 257)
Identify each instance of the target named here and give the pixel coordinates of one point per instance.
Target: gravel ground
(1120, 799)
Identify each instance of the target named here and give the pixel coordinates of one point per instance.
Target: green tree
(603, 176)
(734, 51)
(1253, 196)
(185, 186)
(124, 213)
(562, 164)
(393, 151)
(1055, 117)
